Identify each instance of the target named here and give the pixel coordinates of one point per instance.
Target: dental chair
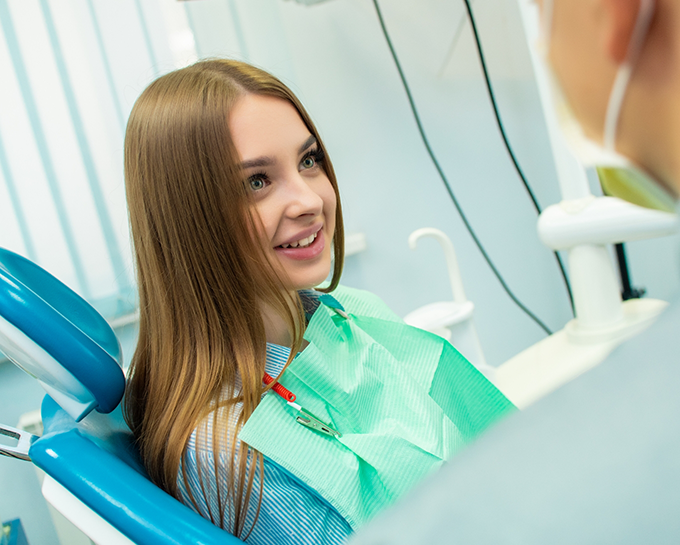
(94, 476)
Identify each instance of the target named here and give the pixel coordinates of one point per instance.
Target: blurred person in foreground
(597, 460)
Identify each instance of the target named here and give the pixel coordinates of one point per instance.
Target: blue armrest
(96, 461)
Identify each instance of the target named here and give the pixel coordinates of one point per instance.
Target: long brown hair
(201, 275)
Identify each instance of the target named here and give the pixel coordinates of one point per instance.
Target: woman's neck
(275, 327)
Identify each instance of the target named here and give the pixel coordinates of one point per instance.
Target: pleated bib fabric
(403, 399)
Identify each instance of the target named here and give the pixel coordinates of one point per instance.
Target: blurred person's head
(589, 41)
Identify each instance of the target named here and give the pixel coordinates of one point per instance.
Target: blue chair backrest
(55, 335)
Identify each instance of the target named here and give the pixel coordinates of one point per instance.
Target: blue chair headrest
(55, 335)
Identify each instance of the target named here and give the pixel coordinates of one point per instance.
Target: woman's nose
(302, 199)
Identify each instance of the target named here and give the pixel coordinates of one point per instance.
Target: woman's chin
(307, 282)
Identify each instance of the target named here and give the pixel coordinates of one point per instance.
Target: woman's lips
(308, 252)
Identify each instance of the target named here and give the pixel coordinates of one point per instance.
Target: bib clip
(308, 420)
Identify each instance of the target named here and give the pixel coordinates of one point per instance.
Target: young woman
(235, 216)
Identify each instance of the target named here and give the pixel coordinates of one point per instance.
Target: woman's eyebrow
(259, 162)
(269, 161)
(309, 142)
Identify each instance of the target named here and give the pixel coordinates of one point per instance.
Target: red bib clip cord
(285, 393)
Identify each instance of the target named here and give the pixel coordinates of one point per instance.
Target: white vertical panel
(10, 233)
(155, 20)
(215, 28)
(64, 151)
(266, 37)
(178, 34)
(123, 37)
(102, 127)
(29, 175)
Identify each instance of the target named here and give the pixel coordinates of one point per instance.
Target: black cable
(446, 183)
(627, 290)
(501, 128)
(497, 116)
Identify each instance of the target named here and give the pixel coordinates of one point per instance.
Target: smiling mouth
(302, 243)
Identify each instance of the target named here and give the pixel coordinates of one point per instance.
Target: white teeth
(302, 243)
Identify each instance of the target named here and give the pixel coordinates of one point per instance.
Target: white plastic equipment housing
(355, 243)
(561, 357)
(310, 2)
(601, 220)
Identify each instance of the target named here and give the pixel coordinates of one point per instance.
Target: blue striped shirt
(291, 512)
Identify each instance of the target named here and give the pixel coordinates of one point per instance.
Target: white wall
(335, 57)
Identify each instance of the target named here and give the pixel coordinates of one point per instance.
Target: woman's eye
(313, 159)
(257, 183)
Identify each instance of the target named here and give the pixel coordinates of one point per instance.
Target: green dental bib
(403, 399)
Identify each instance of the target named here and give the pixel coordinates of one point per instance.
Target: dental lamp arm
(601, 220)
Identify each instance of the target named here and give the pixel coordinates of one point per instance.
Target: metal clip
(308, 419)
(25, 440)
(342, 313)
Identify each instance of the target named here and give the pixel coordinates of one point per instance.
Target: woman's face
(294, 198)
